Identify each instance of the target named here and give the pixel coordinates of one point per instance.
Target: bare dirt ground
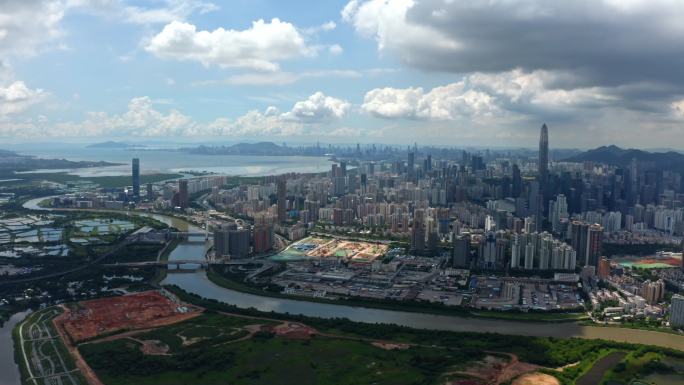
(83, 366)
(294, 330)
(140, 311)
(390, 346)
(134, 311)
(535, 379)
(495, 370)
(153, 347)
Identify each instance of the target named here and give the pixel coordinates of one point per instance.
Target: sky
(435, 72)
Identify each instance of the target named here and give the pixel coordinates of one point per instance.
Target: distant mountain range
(261, 148)
(616, 156)
(10, 161)
(110, 144)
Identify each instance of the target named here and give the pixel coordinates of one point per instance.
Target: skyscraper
(543, 176)
(136, 178)
(262, 236)
(418, 231)
(231, 241)
(410, 166)
(558, 211)
(578, 235)
(544, 157)
(281, 192)
(516, 188)
(594, 244)
(677, 311)
(682, 263)
(461, 251)
(183, 196)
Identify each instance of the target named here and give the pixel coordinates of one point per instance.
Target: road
(44, 363)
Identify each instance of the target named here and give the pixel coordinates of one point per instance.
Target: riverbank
(408, 306)
(634, 327)
(571, 358)
(200, 284)
(9, 370)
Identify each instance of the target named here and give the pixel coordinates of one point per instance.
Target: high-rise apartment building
(594, 244)
(461, 251)
(652, 291)
(418, 231)
(262, 236)
(230, 241)
(677, 311)
(604, 268)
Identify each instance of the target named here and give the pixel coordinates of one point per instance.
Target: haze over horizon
(435, 72)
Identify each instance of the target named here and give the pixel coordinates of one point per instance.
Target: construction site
(356, 251)
(89, 319)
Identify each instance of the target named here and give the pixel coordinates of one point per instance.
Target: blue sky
(448, 72)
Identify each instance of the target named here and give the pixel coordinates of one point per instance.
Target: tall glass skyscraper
(544, 156)
(136, 178)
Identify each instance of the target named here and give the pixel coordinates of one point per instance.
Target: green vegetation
(637, 323)
(136, 252)
(204, 331)
(641, 363)
(265, 359)
(545, 351)
(235, 282)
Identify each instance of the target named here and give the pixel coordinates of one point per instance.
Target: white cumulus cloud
(317, 108)
(678, 108)
(143, 118)
(17, 97)
(487, 95)
(260, 47)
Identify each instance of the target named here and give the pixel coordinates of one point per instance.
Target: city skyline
(334, 70)
(341, 192)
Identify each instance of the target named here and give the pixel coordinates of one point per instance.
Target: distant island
(10, 162)
(110, 144)
(616, 156)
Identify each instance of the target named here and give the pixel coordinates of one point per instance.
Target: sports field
(312, 247)
(658, 261)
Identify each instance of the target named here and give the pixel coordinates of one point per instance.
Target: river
(199, 284)
(9, 371)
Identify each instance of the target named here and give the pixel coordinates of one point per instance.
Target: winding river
(199, 284)
(9, 371)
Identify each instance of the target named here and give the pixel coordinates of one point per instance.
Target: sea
(167, 160)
